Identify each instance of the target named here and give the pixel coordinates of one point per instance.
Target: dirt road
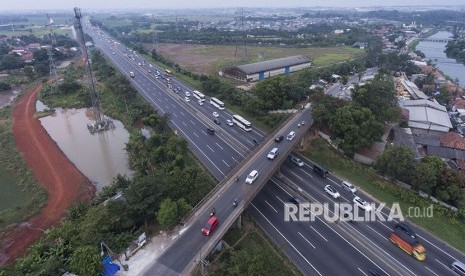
(63, 182)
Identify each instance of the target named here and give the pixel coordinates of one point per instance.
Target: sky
(7, 5)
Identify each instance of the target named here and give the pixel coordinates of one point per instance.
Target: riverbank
(63, 182)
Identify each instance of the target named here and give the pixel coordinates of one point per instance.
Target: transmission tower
(51, 60)
(241, 44)
(95, 98)
(154, 37)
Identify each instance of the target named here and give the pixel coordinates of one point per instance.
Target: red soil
(63, 182)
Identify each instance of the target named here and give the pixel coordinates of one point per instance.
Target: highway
(355, 247)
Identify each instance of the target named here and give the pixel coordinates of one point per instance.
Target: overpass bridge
(192, 246)
(442, 40)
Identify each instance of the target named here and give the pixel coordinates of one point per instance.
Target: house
(427, 114)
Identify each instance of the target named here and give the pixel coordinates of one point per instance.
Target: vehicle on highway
(458, 267)
(406, 228)
(278, 139)
(321, 171)
(140, 64)
(362, 204)
(187, 99)
(229, 122)
(216, 114)
(150, 71)
(113, 53)
(150, 65)
(217, 103)
(251, 177)
(168, 72)
(273, 153)
(332, 192)
(199, 101)
(217, 121)
(198, 95)
(348, 186)
(187, 94)
(377, 272)
(295, 200)
(290, 136)
(210, 130)
(410, 245)
(297, 161)
(131, 74)
(210, 226)
(241, 122)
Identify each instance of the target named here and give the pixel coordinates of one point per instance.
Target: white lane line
(210, 148)
(196, 134)
(447, 267)
(318, 233)
(308, 174)
(431, 271)
(182, 113)
(226, 163)
(276, 211)
(301, 179)
(173, 105)
(174, 115)
(184, 123)
(298, 252)
(219, 146)
(359, 269)
(234, 159)
(167, 107)
(306, 240)
(382, 236)
(192, 122)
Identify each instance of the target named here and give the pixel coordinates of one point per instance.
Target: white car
(187, 99)
(251, 177)
(297, 161)
(216, 114)
(229, 122)
(187, 94)
(200, 102)
(332, 192)
(290, 136)
(362, 204)
(273, 153)
(348, 186)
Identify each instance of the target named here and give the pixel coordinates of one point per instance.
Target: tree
(168, 214)
(451, 187)
(29, 72)
(85, 260)
(396, 162)
(424, 178)
(355, 127)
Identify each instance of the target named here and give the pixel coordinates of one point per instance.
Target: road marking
(196, 134)
(298, 252)
(184, 123)
(307, 173)
(182, 113)
(318, 233)
(210, 148)
(301, 179)
(219, 146)
(362, 271)
(234, 159)
(377, 232)
(226, 163)
(192, 122)
(174, 115)
(276, 211)
(431, 271)
(306, 240)
(448, 268)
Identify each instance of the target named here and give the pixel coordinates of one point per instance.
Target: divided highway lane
(213, 151)
(316, 248)
(374, 236)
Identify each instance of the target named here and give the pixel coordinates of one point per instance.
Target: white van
(348, 186)
(458, 267)
(251, 177)
(291, 135)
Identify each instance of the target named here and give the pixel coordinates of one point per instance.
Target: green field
(37, 25)
(209, 59)
(11, 195)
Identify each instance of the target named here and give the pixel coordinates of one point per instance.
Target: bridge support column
(239, 222)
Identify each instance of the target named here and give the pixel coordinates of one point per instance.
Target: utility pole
(51, 60)
(154, 36)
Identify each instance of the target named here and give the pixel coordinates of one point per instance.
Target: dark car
(295, 200)
(278, 139)
(406, 228)
(210, 130)
(216, 121)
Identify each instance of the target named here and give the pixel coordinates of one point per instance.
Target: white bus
(242, 123)
(198, 95)
(219, 104)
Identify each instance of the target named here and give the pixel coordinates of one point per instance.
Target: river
(435, 51)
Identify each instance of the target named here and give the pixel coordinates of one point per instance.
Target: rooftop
(273, 64)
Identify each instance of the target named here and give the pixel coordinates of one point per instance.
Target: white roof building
(426, 114)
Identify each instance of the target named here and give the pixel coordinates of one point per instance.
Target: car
(199, 101)
(216, 114)
(113, 53)
(229, 122)
(210, 130)
(210, 226)
(187, 94)
(458, 267)
(348, 186)
(278, 139)
(295, 200)
(251, 177)
(140, 64)
(216, 121)
(150, 71)
(187, 99)
(150, 65)
(406, 228)
(362, 204)
(297, 161)
(332, 192)
(290, 136)
(273, 153)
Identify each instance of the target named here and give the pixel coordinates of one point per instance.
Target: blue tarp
(109, 268)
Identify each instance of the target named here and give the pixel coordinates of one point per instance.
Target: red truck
(409, 243)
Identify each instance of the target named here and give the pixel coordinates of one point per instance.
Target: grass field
(11, 195)
(209, 59)
(448, 229)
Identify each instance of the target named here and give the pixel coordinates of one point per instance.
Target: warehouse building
(265, 69)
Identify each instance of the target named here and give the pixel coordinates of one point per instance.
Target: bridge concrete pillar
(239, 222)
